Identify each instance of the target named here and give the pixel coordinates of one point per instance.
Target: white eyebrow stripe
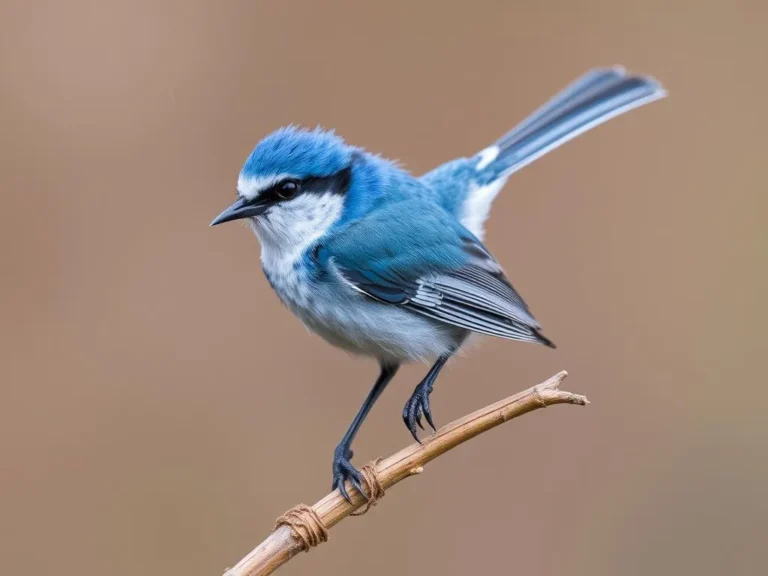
(251, 187)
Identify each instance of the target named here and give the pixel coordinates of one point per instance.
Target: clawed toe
(343, 471)
(416, 407)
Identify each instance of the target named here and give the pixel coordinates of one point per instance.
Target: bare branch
(285, 542)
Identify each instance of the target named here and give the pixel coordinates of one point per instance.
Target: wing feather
(433, 266)
(469, 297)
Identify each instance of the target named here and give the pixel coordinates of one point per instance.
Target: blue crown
(299, 152)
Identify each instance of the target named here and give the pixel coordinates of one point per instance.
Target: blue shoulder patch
(408, 238)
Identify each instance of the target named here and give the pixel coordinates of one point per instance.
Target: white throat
(287, 229)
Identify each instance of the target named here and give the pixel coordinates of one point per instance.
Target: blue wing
(430, 264)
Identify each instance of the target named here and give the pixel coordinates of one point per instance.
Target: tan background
(159, 407)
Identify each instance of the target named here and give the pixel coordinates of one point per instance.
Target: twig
(284, 543)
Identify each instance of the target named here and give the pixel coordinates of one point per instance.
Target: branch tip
(554, 382)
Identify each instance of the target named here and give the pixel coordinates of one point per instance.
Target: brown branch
(284, 543)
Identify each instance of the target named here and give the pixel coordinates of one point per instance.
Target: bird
(392, 266)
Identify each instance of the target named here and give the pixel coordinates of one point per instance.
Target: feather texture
(443, 273)
(386, 264)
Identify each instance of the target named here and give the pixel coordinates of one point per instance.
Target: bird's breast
(290, 281)
(352, 321)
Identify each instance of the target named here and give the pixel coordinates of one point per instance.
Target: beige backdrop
(159, 407)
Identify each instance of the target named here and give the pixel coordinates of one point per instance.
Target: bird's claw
(343, 471)
(418, 405)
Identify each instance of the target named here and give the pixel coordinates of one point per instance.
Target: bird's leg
(418, 403)
(342, 467)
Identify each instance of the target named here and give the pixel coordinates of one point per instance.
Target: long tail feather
(596, 97)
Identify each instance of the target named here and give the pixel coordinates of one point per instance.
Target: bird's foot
(418, 405)
(343, 471)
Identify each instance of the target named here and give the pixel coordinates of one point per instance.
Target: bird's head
(292, 186)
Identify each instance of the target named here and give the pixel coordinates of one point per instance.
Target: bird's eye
(287, 190)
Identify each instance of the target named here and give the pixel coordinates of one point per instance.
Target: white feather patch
(287, 229)
(486, 157)
(476, 207)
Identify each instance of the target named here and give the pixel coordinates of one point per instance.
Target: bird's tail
(597, 96)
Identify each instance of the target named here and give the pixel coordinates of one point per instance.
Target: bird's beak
(243, 208)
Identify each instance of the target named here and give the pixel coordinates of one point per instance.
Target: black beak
(243, 208)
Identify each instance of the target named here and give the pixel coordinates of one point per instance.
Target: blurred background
(159, 407)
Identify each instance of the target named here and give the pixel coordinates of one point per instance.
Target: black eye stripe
(337, 183)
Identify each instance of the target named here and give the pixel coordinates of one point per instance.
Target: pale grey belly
(363, 326)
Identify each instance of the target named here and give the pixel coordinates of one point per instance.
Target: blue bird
(389, 265)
